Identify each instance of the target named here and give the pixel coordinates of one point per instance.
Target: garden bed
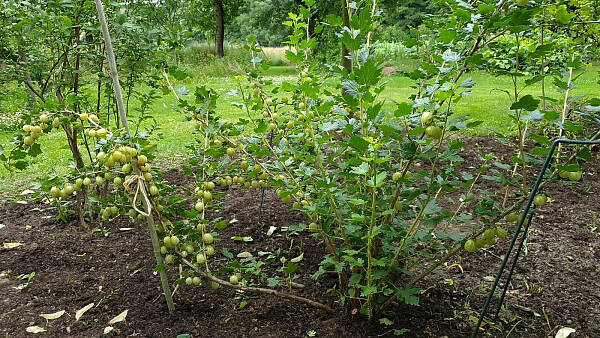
(556, 282)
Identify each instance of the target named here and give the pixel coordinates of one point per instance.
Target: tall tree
(220, 27)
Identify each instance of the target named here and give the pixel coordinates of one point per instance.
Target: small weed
(104, 230)
(28, 277)
(593, 224)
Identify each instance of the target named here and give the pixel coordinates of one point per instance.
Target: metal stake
(518, 231)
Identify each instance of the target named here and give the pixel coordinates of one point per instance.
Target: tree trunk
(346, 62)
(220, 28)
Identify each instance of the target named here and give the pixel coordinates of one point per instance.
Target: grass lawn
(485, 103)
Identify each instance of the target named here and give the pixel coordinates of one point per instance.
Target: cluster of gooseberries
(487, 238)
(95, 130)
(431, 130)
(173, 247)
(570, 175)
(123, 155)
(35, 131)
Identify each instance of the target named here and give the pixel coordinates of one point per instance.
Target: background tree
(263, 19)
(212, 18)
(398, 16)
(219, 27)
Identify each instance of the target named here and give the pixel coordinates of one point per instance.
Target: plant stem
(285, 295)
(370, 236)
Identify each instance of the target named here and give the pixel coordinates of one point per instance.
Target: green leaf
(573, 127)
(485, 9)
(363, 169)
(462, 15)
(359, 143)
(408, 295)
(34, 150)
(272, 282)
(551, 115)
(527, 102)
(403, 109)
(221, 224)
(242, 239)
(305, 12)
(159, 268)
(368, 290)
(357, 201)
(563, 16)
(226, 253)
(355, 279)
(351, 39)
(291, 268)
(432, 208)
(334, 20)
(293, 57)
(385, 321)
(178, 74)
(447, 36)
(410, 42)
(533, 80)
(357, 218)
(368, 74)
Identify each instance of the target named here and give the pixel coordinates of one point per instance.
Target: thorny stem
(450, 254)
(370, 236)
(273, 292)
(464, 202)
(330, 198)
(417, 220)
(459, 248)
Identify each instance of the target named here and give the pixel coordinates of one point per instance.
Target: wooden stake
(110, 55)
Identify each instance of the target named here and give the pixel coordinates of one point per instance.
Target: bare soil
(556, 283)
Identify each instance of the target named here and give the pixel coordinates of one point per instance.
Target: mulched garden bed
(557, 282)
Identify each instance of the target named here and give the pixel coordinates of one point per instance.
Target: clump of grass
(237, 60)
(13, 100)
(276, 56)
(202, 57)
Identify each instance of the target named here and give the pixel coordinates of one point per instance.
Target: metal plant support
(524, 215)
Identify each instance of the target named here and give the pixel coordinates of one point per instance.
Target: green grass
(485, 103)
(488, 104)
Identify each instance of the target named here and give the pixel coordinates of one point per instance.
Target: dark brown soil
(556, 283)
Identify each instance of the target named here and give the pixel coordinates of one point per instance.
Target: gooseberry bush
(382, 184)
(56, 48)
